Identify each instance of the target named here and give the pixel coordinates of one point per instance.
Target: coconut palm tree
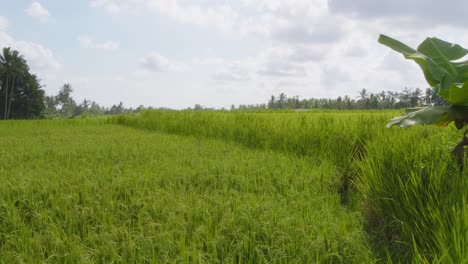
(363, 94)
(282, 100)
(272, 102)
(20, 72)
(13, 67)
(65, 99)
(415, 99)
(5, 62)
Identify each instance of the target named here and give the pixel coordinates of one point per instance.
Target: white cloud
(36, 10)
(355, 51)
(276, 62)
(109, 6)
(88, 42)
(280, 62)
(38, 56)
(298, 21)
(220, 16)
(155, 62)
(234, 71)
(333, 76)
(3, 23)
(295, 21)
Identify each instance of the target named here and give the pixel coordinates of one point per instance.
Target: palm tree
(20, 70)
(65, 99)
(416, 97)
(282, 100)
(5, 61)
(363, 93)
(271, 103)
(13, 66)
(1, 74)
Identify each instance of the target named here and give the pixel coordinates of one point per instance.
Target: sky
(178, 53)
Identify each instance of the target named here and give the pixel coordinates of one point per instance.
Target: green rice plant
(230, 187)
(322, 135)
(415, 197)
(84, 191)
(412, 195)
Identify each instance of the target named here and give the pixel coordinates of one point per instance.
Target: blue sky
(216, 53)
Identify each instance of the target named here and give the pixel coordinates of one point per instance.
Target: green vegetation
(407, 98)
(63, 105)
(439, 61)
(365, 100)
(412, 194)
(231, 187)
(83, 191)
(21, 96)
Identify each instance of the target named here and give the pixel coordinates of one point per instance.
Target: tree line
(408, 98)
(63, 105)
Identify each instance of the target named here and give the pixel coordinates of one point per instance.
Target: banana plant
(440, 62)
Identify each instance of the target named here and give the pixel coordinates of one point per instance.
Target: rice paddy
(230, 187)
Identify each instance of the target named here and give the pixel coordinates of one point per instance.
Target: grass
(231, 187)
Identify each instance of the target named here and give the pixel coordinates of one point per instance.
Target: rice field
(231, 187)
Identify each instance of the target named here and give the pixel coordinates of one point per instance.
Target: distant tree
(339, 102)
(95, 109)
(374, 101)
(365, 100)
(415, 97)
(434, 99)
(272, 102)
(66, 101)
(51, 106)
(363, 94)
(282, 100)
(140, 108)
(82, 109)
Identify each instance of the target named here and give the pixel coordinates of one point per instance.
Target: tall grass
(413, 196)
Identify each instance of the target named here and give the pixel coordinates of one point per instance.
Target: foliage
(439, 61)
(63, 105)
(383, 100)
(21, 95)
